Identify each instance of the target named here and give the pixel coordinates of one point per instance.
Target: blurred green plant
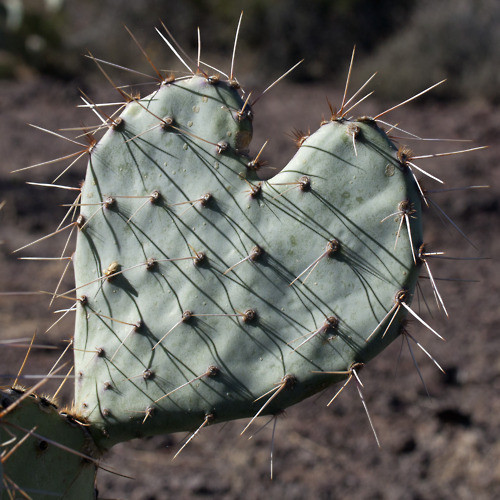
(31, 36)
(454, 39)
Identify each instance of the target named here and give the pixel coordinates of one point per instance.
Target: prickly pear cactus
(207, 295)
(45, 454)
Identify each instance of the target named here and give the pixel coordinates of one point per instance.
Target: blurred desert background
(442, 446)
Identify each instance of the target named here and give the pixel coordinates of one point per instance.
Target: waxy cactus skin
(164, 259)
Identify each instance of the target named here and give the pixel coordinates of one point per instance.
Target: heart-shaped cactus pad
(207, 295)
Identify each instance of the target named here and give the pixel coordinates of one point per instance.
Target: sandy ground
(444, 446)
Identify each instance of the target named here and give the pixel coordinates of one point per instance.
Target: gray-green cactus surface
(202, 289)
(46, 454)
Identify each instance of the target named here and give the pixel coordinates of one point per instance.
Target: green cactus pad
(45, 454)
(194, 300)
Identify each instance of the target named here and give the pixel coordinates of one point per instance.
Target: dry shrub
(454, 39)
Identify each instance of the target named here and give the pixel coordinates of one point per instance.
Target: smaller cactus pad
(45, 454)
